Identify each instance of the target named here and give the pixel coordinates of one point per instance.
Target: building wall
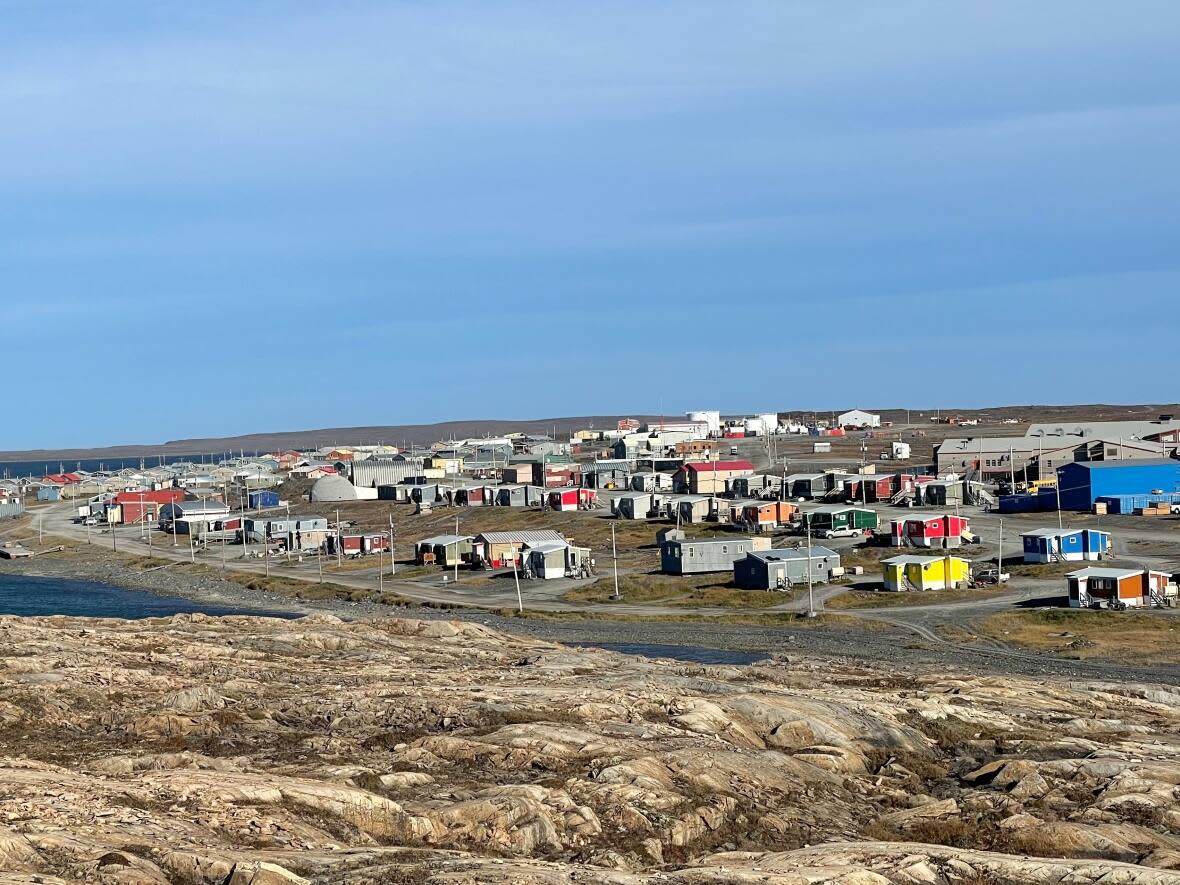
(697, 557)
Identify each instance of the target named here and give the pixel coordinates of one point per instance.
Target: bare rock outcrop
(255, 751)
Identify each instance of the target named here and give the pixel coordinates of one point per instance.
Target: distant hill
(395, 434)
(421, 434)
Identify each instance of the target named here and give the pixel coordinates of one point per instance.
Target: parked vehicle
(90, 520)
(843, 533)
(989, 577)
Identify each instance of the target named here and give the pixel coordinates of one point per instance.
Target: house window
(724, 548)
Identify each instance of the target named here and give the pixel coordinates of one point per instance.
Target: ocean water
(696, 654)
(29, 596)
(15, 469)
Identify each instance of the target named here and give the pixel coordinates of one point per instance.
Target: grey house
(683, 556)
(758, 486)
(807, 485)
(635, 505)
(782, 569)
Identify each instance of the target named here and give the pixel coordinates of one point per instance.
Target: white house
(859, 418)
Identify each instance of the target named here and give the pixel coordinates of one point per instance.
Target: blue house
(1083, 482)
(1065, 545)
(49, 493)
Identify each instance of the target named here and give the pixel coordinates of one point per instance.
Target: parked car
(90, 520)
(1175, 508)
(989, 577)
(843, 533)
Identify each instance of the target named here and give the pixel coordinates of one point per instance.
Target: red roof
(705, 466)
(63, 479)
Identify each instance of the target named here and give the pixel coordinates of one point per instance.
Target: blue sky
(404, 212)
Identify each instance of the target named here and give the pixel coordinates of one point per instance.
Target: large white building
(859, 418)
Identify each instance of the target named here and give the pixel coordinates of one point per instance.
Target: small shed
(634, 505)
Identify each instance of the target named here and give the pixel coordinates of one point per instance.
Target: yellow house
(448, 465)
(925, 572)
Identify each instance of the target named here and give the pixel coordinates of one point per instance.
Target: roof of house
(710, 466)
(547, 546)
(790, 553)
(909, 558)
(1054, 533)
(1098, 572)
(833, 508)
(922, 517)
(445, 540)
(708, 541)
(526, 536)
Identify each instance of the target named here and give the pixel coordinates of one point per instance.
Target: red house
(928, 530)
(871, 487)
(139, 507)
(572, 499)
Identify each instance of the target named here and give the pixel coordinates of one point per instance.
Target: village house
(683, 556)
(839, 518)
(1064, 545)
(710, 477)
(549, 560)
(573, 499)
(445, 550)
(1095, 587)
(635, 505)
(765, 516)
(134, 508)
(943, 531)
(784, 568)
(498, 549)
(911, 572)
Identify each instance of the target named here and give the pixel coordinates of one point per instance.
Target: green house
(834, 517)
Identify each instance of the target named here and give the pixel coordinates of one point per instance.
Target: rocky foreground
(251, 750)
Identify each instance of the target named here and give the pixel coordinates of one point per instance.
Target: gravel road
(894, 642)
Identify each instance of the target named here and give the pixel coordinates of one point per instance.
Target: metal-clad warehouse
(1082, 483)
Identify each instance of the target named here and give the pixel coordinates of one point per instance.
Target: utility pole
(516, 577)
(1000, 556)
(456, 548)
(810, 588)
(392, 558)
(339, 541)
(614, 552)
(114, 543)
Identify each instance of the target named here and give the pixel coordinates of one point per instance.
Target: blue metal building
(1083, 482)
(263, 498)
